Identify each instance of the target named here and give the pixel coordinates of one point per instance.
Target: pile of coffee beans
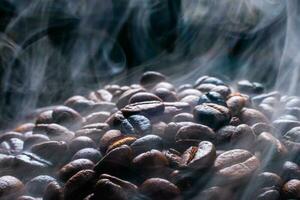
(157, 141)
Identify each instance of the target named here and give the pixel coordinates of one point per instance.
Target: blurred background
(50, 50)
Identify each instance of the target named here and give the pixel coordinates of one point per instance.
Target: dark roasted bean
(81, 142)
(250, 116)
(195, 132)
(10, 187)
(147, 143)
(136, 124)
(54, 131)
(147, 108)
(88, 153)
(243, 137)
(165, 94)
(37, 185)
(124, 98)
(212, 97)
(73, 167)
(53, 191)
(150, 78)
(143, 96)
(291, 189)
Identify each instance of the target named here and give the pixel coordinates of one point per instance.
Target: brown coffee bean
(124, 98)
(67, 117)
(251, 116)
(100, 95)
(151, 163)
(53, 191)
(158, 128)
(188, 92)
(160, 189)
(44, 118)
(35, 139)
(54, 132)
(291, 189)
(148, 109)
(93, 132)
(200, 157)
(222, 89)
(10, 187)
(115, 120)
(151, 78)
(165, 94)
(196, 132)
(258, 128)
(236, 102)
(268, 179)
(88, 153)
(172, 128)
(98, 117)
(116, 162)
(270, 146)
(212, 115)
(107, 139)
(73, 167)
(192, 100)
(223, 135)
(143, 96)
(147, 143)
(51, 150)
(103, 106)
(269, 195)
(38, 184)
(172, 109)
(23, 128)
(290, 170)
(79, 143)
(106, 189)
(235, 166)
(79, 185)
(243, 137)
(121, 140)
(174, 158)
(216, 192)
(183, 117)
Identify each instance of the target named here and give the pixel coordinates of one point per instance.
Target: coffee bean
(165, 85)
(212, 97)
(269, 195)
(235, 166)
(81, 142)
(10, 187)
(212, 115)
(73, 167)
(223, 135)
(8, 135)
(143, 96)
(101, 95)
(172, 128)
(199, 157)
(250, 88)
(79, 185)
(38, 184)
(243, 137)
(250, 116)
(148, 109)
(88, 153)
(222, 90)
(165, 94)
(216, 192)
(44, 117)
(124, 98)
(236, 102)
(67, 117)
(196, 132)
(208, 80)
(290, 170)
(174, 158)
(268, 179)
(136, 124)
(108, 138)
(291, 189)
(121, 140)
(147, 143)
(116, 162)
(35, 139)
(160, 189)
(151, 163)
(23, 128)
(258, 128)
(188, 92)
(183, 117)
(97, 117)
(151, 78)
(192, 100)
(54, 131)
(53, 191)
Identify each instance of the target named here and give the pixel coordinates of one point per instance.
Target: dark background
(50, 50)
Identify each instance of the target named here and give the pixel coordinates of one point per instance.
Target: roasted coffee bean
(165, 85)
(216, 192)
(147, 108)
(196, 132)
(235, 166)
(293, 134)
(8, 135)
(258, 128)
(212, 97)
(93, 131)
(51, 150)
(79, 143)
(97, 117)
(173, 157)
(151, 78)
(73, 167)
(269, 195)
(243, 137)
(270, 146)
(172, 128)
(35, 139)
(147, 143)
(13, 144)
(267, 110)
(222, 90)
(101, 95)
(23, 128)
(188, 92)
(208, 80)
(160, 189)
(10, 187)
(108, 138)
(192, 100)
(251, 116)
(291, 189)
(38, 184)
(67, 117)
(223, 135)
(284, 125)
(136, 124)
(199, 157)
(206, 87)
(44, 117)
(212, 115)
(53, 191)
(79, 185)
(183, 117)
(88, 153)
(54, 131)
(124, 98)
(143, 96)
(116, 162)
(290, 170)
(250, 88)
(150, 164)
(236, 102)
(121, 140)
(172, 109)
(165, 94)
(268, 179)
